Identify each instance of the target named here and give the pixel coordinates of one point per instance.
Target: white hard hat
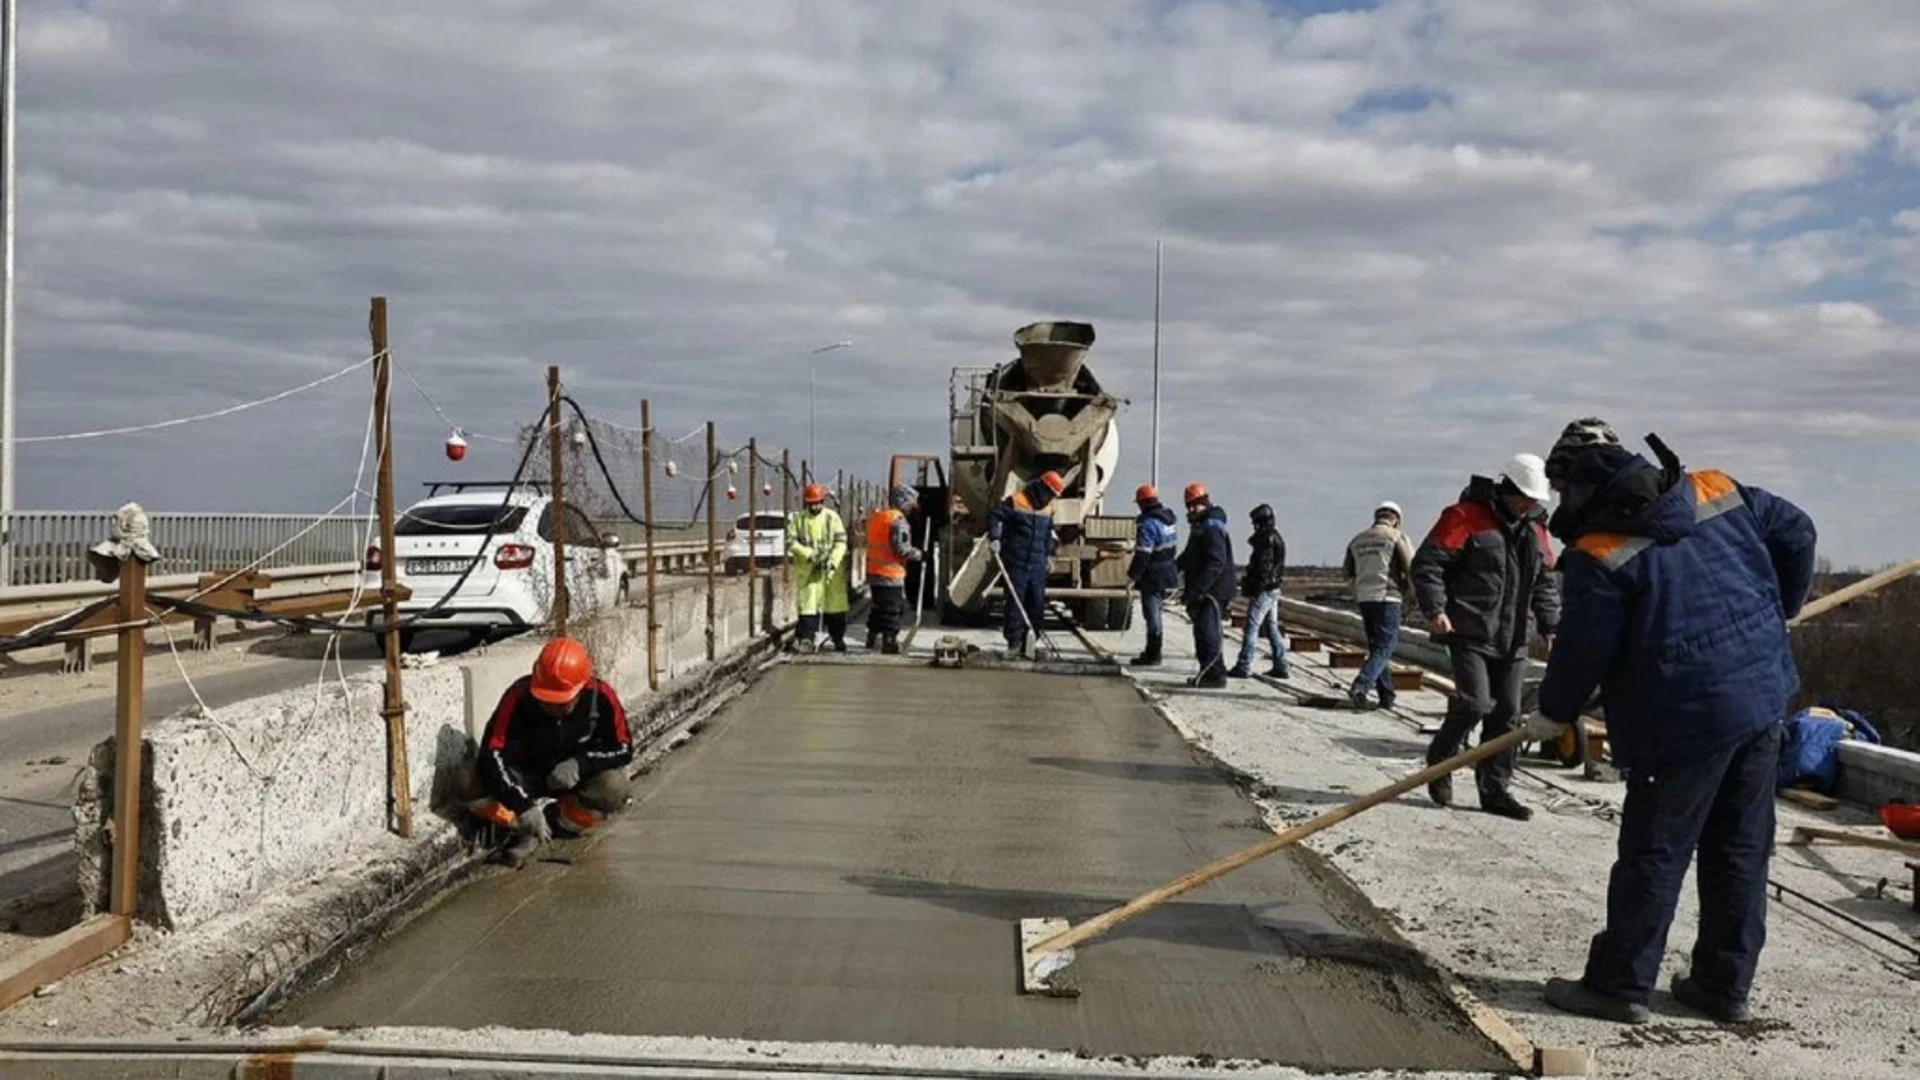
(1529, 474)
(1388, 507)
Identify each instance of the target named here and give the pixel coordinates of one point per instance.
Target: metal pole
(786, 525)
(393, 703)
(653, 581)
(753, 532)
(813, 449)
(556, 476)
(8, 57)
(1154, 478)
(713, 537)
(129, 715)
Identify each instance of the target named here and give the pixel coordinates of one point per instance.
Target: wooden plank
(1408, 678)
(1304, 643)
(1811, 799)
(1351, 659)
(1807, 834)
(61, 955)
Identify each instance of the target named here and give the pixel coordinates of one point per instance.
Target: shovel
(1032, 630)
(1046, 944)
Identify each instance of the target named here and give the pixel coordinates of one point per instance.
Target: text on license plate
(437, 566)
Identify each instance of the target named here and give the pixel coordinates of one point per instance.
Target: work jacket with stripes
(523, 742)
(1678, 614)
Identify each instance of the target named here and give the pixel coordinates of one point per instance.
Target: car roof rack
(458, 486)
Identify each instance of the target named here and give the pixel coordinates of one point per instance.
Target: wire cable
(215, 415)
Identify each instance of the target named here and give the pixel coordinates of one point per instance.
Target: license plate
(437, 566)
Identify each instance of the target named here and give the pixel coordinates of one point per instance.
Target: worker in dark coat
(1020, 532)
(1207, 573)
(1678, 589)
(1266, 571)
(1484, 579)
(554, 754)
(1153, 569)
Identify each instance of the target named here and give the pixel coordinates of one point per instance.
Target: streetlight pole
(813, 451)
(1154, 479)
(9, 53)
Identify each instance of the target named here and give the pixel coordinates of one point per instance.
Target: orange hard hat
(1053, 482)
(562, 670)
(814, 493)
(1145, 493)
(1196, 491)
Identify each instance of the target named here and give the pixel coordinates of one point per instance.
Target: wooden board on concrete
(1807, 834)
(61, 955)
(1810, 799)
(1345, 658)
(1408, 678)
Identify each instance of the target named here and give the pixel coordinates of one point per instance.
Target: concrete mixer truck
(1008, 423)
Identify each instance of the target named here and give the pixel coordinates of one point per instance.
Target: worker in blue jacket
(1678, 587)
(1153, 570)
(1020, 532)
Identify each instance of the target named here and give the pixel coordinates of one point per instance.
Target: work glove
(1544, 730)
(565, 776)
(994, 546)
(534, 822)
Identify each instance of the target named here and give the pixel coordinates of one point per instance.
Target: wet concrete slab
(844, 856)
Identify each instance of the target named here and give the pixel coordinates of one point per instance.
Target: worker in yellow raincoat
(817, 547)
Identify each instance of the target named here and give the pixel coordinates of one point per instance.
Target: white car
(510, 586)
(769, 541)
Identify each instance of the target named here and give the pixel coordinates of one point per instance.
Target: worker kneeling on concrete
(1678, 588)
(889, 550)
(1020, 532)
(553, 758)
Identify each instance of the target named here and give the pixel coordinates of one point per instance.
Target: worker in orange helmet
(554, 755)
(1152, 570)
(1207, 582)
(817, 547)
(1020, 532)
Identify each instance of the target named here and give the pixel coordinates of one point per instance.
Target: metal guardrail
(50, 546)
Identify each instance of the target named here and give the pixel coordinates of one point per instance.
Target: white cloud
(1402, 242)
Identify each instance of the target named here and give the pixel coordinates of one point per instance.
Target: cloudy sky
(1404, 240)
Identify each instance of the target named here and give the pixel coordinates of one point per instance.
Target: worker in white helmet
(1484, 579)
(1379, 567)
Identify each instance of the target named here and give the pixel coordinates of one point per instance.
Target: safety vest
(881, 561)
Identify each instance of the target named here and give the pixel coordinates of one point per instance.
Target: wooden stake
(1855, 591)
(653, 581)
(786, 522)
(1106, 921)
(129, 716)
(753, 533)
(713, 538)
(557, 479)
(393, 703)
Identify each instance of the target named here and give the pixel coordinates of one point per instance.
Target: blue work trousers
(1206, 637)
(1153, 607)
(1029, 592)
(1263, 619)
(1381, 618)
(1721, 806)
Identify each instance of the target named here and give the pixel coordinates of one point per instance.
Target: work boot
(1239, 672)
(1575, 996)
(1279, 671)
(1441, 790)
(890, 646)
(804, 646)
(520, 850)
(1151, 656)
(1503, 804)
(1387, 700)
(839, 645)
(1358, 695)
(871, 638)
(1687, 991)
(1211, 679)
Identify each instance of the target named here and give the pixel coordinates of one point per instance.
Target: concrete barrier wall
(271, 791)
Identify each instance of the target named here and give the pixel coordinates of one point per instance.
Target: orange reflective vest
(881, 561)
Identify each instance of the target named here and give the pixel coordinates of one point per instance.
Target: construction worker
(1266, 567)
(1152, 569)
(1379, 567)
(1020, 534)
(817, 547)
(1484, 580)
(1678, 589)
(1207, 572)
(889, 550)
(554, 754)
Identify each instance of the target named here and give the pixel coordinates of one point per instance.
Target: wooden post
(713, 530)
(653, 581)
(786, 520)
(129, 716)
(393, 706)
(557, 477)
(753, 534)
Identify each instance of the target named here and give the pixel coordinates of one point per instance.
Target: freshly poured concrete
(844, 857)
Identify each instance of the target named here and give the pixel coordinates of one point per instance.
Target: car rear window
(455, 519)
(768, 523)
